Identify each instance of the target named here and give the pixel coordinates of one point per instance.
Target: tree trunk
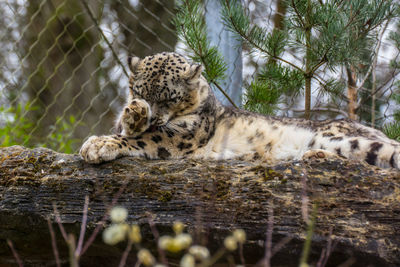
(146, 26)
(359, 204)
(352, 92)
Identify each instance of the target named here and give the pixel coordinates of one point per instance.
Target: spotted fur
(171, 112)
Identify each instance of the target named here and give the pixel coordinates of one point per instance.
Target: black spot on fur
(119, 145)
(372, 153)
(256, 156)
(183, 146)
(183, 125)
(259, 134)
(156, 138)
(163, 153)
(124, 143)
(311, 144)
(188, 136)
(327, 134)
(339, 151)
(354, 144)
(170, 133)
(141, 144)
(268, 146)
(391, 162)
(336, 138)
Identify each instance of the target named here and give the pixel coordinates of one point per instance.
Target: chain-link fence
(63, 74)
(62, 64)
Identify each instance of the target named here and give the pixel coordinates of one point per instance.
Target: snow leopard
(171, 112)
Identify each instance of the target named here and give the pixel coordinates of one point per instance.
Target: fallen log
(358, 206)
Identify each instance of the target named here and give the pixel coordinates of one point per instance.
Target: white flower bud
(118, 214)
(183, 240)
(239, 235)
(187, 261)
(174, 244)
(199, 252)
(114, 234)
(230, 243)
(134, 234)
(178, 227)
(145, 257)
(164, 242)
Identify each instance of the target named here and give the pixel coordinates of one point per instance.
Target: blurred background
(64, 77)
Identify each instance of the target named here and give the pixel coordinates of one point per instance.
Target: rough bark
(352, 92)
(359, 203)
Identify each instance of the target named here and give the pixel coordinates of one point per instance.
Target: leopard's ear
(133, 62)
(194, 72)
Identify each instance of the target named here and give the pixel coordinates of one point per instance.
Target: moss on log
(359, 204)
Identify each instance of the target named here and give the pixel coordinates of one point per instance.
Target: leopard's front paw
(98, 149)
(135, 117)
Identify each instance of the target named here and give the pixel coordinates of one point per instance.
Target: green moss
(165, 196)
(270, 174)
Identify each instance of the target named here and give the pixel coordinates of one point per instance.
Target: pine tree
(392, 129)
(327, 35)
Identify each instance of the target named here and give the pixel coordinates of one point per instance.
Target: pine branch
(239, 24)
(376, 53)
(191, 28)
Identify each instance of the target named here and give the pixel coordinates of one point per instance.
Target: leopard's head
(169, 83)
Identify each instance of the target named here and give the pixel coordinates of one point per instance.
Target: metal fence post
(230, 48)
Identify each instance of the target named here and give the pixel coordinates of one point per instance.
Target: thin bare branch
(156, 235)
(376, 53)
(304, 197)
(100, 224)
(14, 252)
(58, 220)
(54, 243)
(83, 227)
(268, 242)
(126, 253)
(280, 245)
(90, 13)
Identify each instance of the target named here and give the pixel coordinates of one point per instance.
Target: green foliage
(328, 33)
(14, 128)
(238, 21)
(60, 138)
(392, 130)
(340, 29)
(264, 94)
(191, 28)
